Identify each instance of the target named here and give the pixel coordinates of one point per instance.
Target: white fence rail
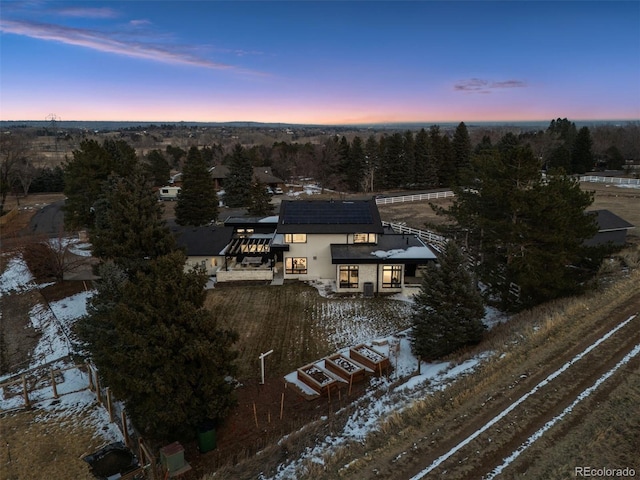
(432, 238)
(414, 198)
(614, 180)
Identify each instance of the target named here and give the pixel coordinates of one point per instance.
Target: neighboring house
(345, 241)
(612, 230)
(204, 246)
(261, 174)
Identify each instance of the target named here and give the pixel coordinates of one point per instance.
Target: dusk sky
(329, 62)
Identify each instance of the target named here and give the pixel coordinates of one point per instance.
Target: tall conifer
(197, 201)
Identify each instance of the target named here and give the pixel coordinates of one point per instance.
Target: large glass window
(348, 276)
(295, 265)
(295, 238)
(391, 276)
(364, 238)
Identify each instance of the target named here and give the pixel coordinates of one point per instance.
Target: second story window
(295, 238)
(364, 238)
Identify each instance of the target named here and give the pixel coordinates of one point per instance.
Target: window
(364, 238)
(391, 276)
(244, 232)
(295, 238)
(296, 265)
(348, 276)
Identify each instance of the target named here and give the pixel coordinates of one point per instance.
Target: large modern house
(340, 241)
(346, 242)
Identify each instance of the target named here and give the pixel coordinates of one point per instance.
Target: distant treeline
(426, 158)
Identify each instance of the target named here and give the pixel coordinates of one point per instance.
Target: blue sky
(320, 62)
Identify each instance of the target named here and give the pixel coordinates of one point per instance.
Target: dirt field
(35, 447)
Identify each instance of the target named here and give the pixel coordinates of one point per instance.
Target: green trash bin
(206, 437)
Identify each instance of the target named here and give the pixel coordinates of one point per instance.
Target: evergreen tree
(426, 172)
(355, 166)
(448, 310)
(582, 154)
(237, 185)
(158, 168)
(159, 350)
(614, 160)
(197, 201)
(371, 164)
(85, 174)
(128, 228)
(462, 148)
(560, 157)
(393, 167)
(409, 159)
(259, 201)
(519, 223)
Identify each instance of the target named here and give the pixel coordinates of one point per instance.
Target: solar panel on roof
(306, 213)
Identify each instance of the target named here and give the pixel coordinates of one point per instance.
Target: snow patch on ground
(75, 403)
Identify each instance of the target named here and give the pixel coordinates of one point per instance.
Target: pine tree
(85, 173)
(158, 168)
(371, 164)
(448, 310)
(426, 172)
(582, 153)
(197, 201)
(462, 148)
(128, 228)
(159, 350)
(237, 185)
(259, 201)
(528, 231)
(355, 167)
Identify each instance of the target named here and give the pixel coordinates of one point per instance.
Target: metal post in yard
(262, 356)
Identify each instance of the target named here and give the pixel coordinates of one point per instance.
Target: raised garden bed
(344, 368)
(317, 378)
(370, 358)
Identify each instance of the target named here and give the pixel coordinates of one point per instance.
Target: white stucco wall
(211, 264)
(317, 251)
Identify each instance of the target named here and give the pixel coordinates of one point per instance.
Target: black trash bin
(206, 437)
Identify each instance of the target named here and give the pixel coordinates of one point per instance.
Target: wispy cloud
(138, 23)
(479, 85)
(85, 12)
(111, 44)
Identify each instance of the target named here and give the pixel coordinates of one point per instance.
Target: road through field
(492, 439)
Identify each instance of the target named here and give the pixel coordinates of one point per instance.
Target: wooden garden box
(344, 368)
(317, 378)
(370, 358)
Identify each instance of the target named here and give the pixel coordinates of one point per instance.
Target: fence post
(53, 384)
(98, 392)
(25, 392)
(90, 375)
(109, 408)
(125, 430)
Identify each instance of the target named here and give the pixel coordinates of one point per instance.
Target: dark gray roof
(329, 216)
(207, 241)
(608, 221)
(391, 248)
